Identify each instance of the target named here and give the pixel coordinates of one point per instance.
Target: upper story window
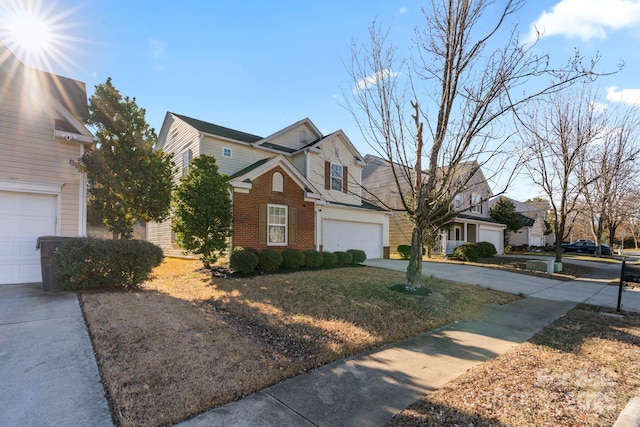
(457, 201)
(277, 182)
(475, 200)
(336, 177)
(277, 225)
(226, 152)
(186, 158)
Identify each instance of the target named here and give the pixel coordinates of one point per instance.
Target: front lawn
(186, 342)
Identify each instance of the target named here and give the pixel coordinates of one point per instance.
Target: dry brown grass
(580, 371)
(185, 343)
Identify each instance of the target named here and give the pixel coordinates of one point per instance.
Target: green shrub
(486, 249)
(358, 256)
(269, 260)
(292, 259)
(344, 258)
(405, 251)
(243, 261)
(85, 263)
(312, 259)
(329, 259)
(466, 252)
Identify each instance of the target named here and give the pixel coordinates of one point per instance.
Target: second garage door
(492, 235)
(23, 218)
(344, 235)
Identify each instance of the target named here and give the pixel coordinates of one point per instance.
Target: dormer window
(277, 182)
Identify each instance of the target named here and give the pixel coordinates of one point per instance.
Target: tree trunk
(413, 279)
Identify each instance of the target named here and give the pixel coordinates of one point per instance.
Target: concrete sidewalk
(48, 372)
(368, 389)
(593, 288)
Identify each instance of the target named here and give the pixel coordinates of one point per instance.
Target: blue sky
(258, 66)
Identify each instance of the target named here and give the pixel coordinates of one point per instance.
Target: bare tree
(605, 169)
(438, 114)
(556, 133)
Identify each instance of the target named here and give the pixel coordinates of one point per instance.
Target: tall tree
(443, 106)
(202, 210)
(128, 179)
(556, 135)
(607, 168)
(504, 211)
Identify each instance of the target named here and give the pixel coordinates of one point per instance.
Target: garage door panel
(343, 235)
(23, 218)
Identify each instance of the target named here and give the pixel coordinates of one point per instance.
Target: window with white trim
(226, 152)
(186, 158)
(336, 177)
(277, 182)
(457, 201)
(277, 225)
(474, 201)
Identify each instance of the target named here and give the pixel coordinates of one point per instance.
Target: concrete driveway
(48, 371)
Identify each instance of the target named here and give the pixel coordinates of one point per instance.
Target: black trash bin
(48, 246)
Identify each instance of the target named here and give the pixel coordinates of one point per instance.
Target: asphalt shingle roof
(219, 130)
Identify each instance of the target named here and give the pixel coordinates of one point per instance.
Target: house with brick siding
(295, 188)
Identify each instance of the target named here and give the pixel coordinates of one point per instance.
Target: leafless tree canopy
(443, 109)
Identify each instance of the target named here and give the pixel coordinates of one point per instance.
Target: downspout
(231, 234)
(82, 208)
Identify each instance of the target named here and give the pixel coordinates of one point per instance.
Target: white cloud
(373, 79)
(627, 96)
(403, 10)
(598, 107)
(586, 19)
(158, 48)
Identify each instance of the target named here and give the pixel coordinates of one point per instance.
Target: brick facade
(246, 212)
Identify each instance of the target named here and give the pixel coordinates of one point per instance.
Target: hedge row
(248, 260)
(85, 263)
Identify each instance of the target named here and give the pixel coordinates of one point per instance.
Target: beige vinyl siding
(300, 162)
(180, 138)
(31, 155)
(317, 172)
(243, 155)
(293, 138)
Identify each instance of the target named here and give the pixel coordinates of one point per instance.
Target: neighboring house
(532, 233)
(473, 225)
(296, 188)
(41, 192)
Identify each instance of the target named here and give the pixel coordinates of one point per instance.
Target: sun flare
(36, 33)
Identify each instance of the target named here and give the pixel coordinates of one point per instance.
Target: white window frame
(334, 176)
(457, 201)
(475, 199)
(285, 226)
(227, 152)
(186, 159)
(277, 182)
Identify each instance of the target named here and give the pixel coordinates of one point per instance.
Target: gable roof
(244, 177)
(217, 130)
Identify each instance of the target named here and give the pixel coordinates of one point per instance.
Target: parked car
(586, 247)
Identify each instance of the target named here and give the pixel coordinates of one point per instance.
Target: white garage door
(492, 235)
(23, 218)
(344, 235)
